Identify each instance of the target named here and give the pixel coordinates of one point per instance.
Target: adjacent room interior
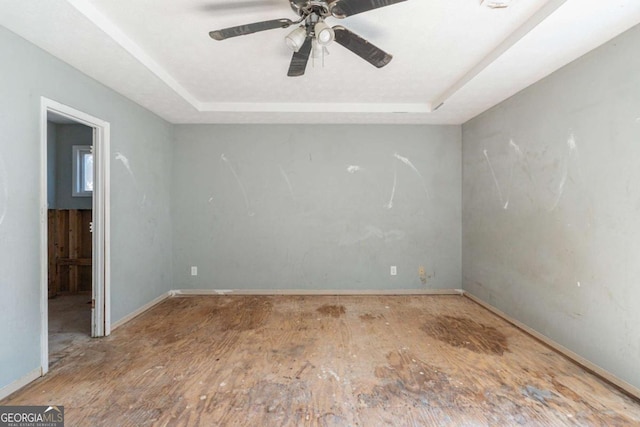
(69, 248)
(445, 232)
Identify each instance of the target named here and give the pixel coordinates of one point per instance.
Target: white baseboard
(18, 384)
(326, 292)
(586, 364)
(141, 310)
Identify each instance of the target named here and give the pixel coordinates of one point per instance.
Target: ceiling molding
(536, 19)
(115, 33)
(301, 107)
(112, 30)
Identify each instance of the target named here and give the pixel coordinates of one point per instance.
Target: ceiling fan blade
(300, 58)
(361, 47)
(242, 30)
(343, 8)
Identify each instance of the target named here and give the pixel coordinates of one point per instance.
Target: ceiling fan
(314, 33)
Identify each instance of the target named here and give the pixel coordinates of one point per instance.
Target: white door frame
(101, 312)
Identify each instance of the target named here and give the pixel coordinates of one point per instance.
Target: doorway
(74, 229)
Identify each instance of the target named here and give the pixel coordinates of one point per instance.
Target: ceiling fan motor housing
(305, 8)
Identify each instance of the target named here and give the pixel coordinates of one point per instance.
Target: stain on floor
(465, 333)
(368, 317)
(332, 310)
(264, 361)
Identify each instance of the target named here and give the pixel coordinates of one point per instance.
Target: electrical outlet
(194, 270)
(394, 270)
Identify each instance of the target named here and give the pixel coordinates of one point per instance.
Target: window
(82, 170)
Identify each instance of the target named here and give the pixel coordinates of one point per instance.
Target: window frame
(78, 173)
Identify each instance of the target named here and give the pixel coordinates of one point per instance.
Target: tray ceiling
(458, 53)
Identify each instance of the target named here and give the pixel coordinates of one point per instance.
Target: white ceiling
(471, 57)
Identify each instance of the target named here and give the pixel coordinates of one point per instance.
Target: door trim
(101, 314)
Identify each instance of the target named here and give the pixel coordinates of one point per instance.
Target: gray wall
(564, 255)
(275, 207)
(141, 254)
(65, 137)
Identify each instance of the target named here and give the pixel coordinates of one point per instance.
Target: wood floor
(324, 361)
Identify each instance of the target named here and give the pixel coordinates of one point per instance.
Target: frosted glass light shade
(296, 38)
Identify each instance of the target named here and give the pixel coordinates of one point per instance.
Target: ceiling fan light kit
(296, 38)
(324, 33)
(311, 38)
(318, 51)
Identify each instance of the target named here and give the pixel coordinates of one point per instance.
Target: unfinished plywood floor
(336, 361)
